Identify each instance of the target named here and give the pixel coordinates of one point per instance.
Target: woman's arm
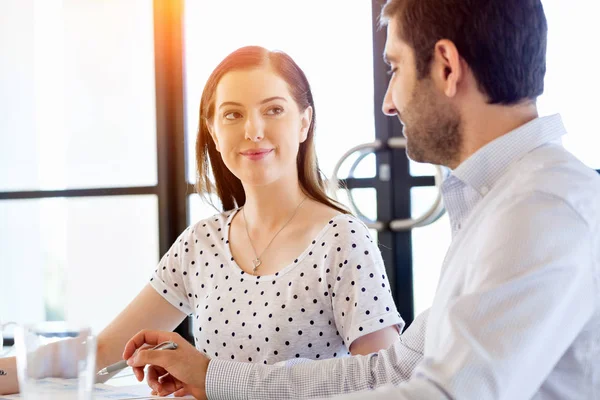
(149, 310)
(373, 342)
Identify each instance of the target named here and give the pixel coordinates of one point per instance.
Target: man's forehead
(393, 46)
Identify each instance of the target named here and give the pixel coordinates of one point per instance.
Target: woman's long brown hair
(227, 186)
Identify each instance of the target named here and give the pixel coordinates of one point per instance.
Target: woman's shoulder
(346, 236)
(320, 213)
(349, 225)
(217, 222)
(350, 218)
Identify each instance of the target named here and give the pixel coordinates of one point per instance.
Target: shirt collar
(483, 169)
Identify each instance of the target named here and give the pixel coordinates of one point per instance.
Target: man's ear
(305, 121)
(210, 129)
(447, 70)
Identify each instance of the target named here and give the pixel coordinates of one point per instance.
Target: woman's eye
(275, 110)
(232, 115)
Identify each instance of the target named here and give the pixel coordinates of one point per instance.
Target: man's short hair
(502, 41)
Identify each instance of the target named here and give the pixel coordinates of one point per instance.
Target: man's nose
(388, 106)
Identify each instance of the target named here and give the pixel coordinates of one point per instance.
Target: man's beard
(432, 127)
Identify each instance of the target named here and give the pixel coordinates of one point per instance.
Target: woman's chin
(259, 180)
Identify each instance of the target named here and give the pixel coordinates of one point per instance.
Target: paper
(140, 391)
(57, 388)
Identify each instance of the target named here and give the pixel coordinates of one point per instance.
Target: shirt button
(457, 226)
(484, 190)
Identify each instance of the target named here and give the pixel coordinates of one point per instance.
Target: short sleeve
(361, 299)
(169, 276)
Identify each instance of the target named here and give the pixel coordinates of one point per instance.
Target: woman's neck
(268, 207)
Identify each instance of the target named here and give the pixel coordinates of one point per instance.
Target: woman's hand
(185, 365)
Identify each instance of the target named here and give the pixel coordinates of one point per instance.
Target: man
(516, 314)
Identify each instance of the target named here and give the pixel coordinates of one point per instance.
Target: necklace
(256, 262)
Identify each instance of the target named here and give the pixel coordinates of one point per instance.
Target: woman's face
(257, 126)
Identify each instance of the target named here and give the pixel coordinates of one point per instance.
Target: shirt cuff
(227, 380)
(374, 324)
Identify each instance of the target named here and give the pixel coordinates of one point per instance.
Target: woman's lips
(256, 154)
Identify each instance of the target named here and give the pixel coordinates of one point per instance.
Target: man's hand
(185, 365)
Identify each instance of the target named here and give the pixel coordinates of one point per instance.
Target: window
(78, 127)
(571, 87)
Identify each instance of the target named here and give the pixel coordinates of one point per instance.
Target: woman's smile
(256, 154)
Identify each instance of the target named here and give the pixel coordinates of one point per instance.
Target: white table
(124, 383)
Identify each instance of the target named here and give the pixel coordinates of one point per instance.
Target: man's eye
(232, 115)
(275, 110)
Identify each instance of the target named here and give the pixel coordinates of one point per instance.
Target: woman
(284, 272)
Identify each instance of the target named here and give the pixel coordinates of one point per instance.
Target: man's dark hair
(502, 41)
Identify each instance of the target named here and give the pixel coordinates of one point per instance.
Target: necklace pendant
(256, 263)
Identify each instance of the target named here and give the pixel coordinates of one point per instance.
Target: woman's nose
(254, 129)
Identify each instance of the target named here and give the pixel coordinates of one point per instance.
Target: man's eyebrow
(388, 59)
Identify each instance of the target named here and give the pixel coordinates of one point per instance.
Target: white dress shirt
(516, 314)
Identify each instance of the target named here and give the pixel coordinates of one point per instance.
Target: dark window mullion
(170, 123)
(88, 192)
(420, 181)
(392, 199)
(393, 196)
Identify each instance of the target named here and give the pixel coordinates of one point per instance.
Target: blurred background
(98, 115)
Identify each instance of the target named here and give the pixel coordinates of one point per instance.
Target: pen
(123, 363)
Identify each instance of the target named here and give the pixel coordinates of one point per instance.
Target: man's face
(432, 125)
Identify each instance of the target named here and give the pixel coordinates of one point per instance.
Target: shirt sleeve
(168, 278)
(296, 379)
(532, 290)
(361, 297)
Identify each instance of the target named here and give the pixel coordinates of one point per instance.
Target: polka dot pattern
(313, 308)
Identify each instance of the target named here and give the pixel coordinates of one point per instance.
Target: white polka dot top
(334, 292)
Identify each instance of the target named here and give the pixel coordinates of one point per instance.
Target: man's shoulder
(553, 171)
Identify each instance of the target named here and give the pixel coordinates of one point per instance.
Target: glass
(77, 94)
(571, 88)
(55, 349)
(4, 327)
(80, 259)
(338, 62)
(429, 246)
